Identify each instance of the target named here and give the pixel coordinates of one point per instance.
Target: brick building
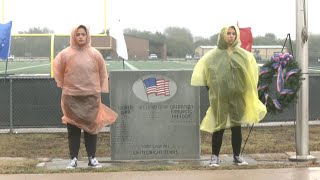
(260, 52)
(138, 48)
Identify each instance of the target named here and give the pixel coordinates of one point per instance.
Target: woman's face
(81, 36)
(231, 36)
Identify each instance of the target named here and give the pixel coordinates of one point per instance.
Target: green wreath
(279, 82)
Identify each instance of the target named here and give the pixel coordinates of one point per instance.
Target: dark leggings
(74, 136)
(236, 140)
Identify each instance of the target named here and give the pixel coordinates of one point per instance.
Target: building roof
(207, 47)
(254, 47)
(267, 47)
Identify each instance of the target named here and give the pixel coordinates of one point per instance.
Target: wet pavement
(226, 170)
(226, 160)
(244, 174)
(254, 161)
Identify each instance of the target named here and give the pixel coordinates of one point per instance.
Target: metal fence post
(10, 106)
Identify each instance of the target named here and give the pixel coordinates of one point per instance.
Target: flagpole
(2, 19)
(246, 139)
(105, 16)
(2, 11)
(5, 72)
(302, 106)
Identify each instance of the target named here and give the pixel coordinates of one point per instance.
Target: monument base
(306, 158)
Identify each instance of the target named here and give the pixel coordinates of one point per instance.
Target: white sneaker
(93, 162)
(72, 164)
(239, 161)
(214, 161)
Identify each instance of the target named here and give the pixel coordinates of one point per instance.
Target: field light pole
(302, 118)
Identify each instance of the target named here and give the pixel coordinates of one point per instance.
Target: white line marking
(25, 68)
(313, 69)
(310, 68)
(130, 66)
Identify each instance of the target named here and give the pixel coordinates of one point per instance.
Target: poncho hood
(73, 42)
(222, 44)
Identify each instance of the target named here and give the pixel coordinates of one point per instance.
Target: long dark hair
(84, 27)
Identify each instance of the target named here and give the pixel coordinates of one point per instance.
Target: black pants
(236, 140)
(74, 136)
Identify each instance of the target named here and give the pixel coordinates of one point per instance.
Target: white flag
(117, 33)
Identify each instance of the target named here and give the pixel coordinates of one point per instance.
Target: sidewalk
(254, 160)
(226, 171)
(246, 174)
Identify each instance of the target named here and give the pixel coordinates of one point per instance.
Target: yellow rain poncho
(232, 77)
(81, 73)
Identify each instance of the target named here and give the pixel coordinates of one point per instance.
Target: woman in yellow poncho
(231, 75)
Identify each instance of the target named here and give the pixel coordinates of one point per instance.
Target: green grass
(34, 147)
(54, 145)
(32, 67)
(43, 67)
(144, 65)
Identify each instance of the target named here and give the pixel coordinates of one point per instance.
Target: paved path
(246, 174)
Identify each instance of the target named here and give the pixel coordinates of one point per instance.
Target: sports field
(43, 67)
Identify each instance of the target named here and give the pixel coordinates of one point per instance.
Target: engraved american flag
(158, 87)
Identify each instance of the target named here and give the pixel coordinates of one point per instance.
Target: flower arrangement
(279, 82)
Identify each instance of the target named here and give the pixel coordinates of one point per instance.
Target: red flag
(246, 38)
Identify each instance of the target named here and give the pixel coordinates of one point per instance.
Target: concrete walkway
(245, 174)
(254, 160)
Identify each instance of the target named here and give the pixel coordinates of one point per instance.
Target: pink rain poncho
(81, 73)
(232, 77)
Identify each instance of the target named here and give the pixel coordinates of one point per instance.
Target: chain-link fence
(288, 115)
(32, 104)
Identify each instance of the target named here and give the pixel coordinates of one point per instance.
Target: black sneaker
(72, 164)
(93, 162)
(239, 161)
(214, 161)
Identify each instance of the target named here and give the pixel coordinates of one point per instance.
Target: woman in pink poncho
(81, 72)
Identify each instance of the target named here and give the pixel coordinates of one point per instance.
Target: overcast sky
(202, 17)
